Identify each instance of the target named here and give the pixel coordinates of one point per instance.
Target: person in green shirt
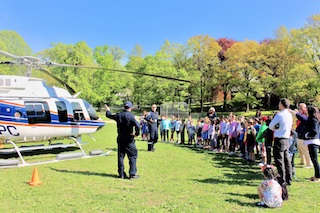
(260, 139)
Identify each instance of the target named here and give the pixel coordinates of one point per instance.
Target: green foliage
(12, 42)
(241, 100)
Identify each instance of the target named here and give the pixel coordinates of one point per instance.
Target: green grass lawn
(173, 179)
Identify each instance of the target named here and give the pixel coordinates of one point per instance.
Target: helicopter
(31, 111)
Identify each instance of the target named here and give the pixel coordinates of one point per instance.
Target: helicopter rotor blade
(7, 62)
(9, 55)
(57, 79)
(117, 70)
(38, 63)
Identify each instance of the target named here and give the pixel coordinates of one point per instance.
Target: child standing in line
(182, 131)
(144, 126)
(172, 127)
(222, 133)
(217, 133)
(250, 137)
(293, 149)
(261, 140)
(242, 131)
(199, 133)
(161, 128)
(205, 134)
(191, 132)
(177, 128)
(226, 139)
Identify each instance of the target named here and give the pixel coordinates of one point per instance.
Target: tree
(307, 42)
(224, 77)
(13, 43)
(204, 56)
(78, 79)
(283, 70)
(111, 86)
(242, 61)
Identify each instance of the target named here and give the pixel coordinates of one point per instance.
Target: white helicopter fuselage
(32, 111)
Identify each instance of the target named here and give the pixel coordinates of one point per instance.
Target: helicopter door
(62, 111)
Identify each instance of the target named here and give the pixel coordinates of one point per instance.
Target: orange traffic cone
(1, 144)
(35, 178)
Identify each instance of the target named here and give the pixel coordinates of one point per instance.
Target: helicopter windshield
(91, 111)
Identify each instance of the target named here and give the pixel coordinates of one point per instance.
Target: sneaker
(308, 167)
(314, 179)
(134, 176)
(261, 204)
(123, 175)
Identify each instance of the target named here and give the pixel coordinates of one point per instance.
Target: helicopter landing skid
(11, 163)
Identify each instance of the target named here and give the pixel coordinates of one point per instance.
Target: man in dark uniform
(152, 119)
(126, 143)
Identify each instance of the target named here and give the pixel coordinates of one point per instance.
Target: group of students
(258, 136)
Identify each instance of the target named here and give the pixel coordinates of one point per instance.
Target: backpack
(301, 130)
(285, 195)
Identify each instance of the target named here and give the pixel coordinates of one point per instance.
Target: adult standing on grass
(152, 119)
(281, 124)
(212, 113)
(126, 143)
(312, 135)
(300, 125)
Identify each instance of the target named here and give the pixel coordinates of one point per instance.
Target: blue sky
(149, 23)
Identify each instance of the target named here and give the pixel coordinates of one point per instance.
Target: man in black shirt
(126, 143)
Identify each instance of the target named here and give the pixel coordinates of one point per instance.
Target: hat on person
(264, 118)
(128, 104)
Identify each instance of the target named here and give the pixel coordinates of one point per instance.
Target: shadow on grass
(240, 203)
(39, 152)
(87, 173)
(251, 196)
(139, 150)
(236, 170)
(230, 181)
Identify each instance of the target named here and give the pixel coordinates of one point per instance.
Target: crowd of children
(246, 137)
(249, 138)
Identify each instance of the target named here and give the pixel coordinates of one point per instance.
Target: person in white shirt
(281, 124)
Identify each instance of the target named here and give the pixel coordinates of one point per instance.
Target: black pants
(268, 151)
(282, 159)
(127, 146)
(166, 135)
(153, 137)
(313, 152)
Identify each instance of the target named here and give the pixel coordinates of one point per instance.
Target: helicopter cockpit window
(37, 112)
(62, 111)
(77, 111)
(92, 112)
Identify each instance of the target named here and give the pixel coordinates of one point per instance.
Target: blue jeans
(313, 152)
